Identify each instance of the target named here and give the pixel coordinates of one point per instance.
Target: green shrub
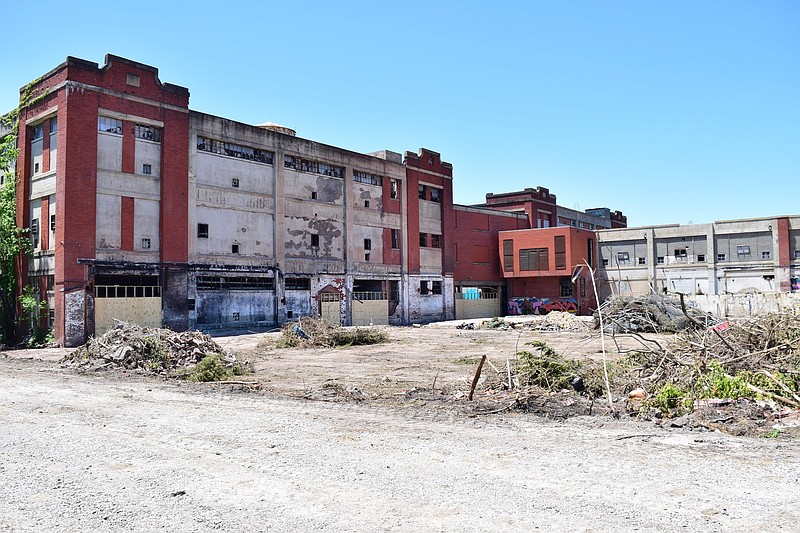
(544, 368)
(212, 368)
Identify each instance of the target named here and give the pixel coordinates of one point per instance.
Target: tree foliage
(14, 241)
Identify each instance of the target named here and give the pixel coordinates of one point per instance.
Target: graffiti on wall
(541, 306)
(795, 284)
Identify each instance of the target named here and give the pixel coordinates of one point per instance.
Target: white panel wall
(109, 220)
(145, 225)
(252, 231)
(109, 151)
(147, 152)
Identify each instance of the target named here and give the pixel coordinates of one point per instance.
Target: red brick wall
(390, 256)
(391, 205)
(475, 235)
(44, 224)
(784, 252)
(126, 224)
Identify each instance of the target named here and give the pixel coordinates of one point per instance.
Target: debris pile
(156, 350)
(648, 314)
(557, 321)
(308, 332)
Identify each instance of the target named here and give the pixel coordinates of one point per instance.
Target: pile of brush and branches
(313, 332)
(654, 313)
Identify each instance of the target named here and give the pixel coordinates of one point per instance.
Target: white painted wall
(218, 170)
(36, 157)
(109, 220)
(109, 151)
(53, 150)
(251, 230)
(147, 152)
(146, 224)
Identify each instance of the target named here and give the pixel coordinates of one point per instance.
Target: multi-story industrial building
(141, 209)
(760, 255)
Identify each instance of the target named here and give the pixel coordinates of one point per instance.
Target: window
(236, 316)
(423, 287)
(422, 192)
(534, 259)
(54, 125)
(565, 287)
(314, 240)
(583, 287)
(395, 239)
(436, 241)
(297, 284)
(35, 232)
(52, 222)
(132, 79)
(38, 132)
(366, 203)
(623, 257)
(423, 240)
(605, 262)
(743, 249)
(205, 144)
(36, 168)
(393, 191)
(720, 257)
(235, 183)
(147, 168)
(508, 255)
(148, 133)
(109, 125)
(234, 248)
(701, 258)
(797, 254)
(660, 260)
(436, 287)
(590, 252)
(313, 195)
(305, 165)
(435, 194)
(145, 244)
(560, 249)
(367, 248)
(765, 255)
(365, 177)
(234, 283)
(680, 255)
(202, 231)
(394, 291)
(641, 260)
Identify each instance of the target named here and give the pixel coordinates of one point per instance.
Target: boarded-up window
(560, 246)
(508, 255)
(534, 259)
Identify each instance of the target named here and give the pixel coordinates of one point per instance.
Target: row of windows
(430, 287)
(116, 291)
(148, 133)
(234, 283)
(366, 177)
(434, 242)
(680, 256)
(432, 194)
(109, 125)
(239, 151)
(38, 130)
(305, 165)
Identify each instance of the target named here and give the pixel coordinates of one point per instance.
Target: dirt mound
(156, 350)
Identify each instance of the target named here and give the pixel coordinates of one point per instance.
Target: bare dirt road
(125, 452)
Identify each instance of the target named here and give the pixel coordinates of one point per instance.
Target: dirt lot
(379, 446)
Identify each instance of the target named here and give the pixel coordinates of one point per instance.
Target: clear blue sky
(669, 111)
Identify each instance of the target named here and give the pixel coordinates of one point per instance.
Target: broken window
(423, 287)
(395, 239)
(366, 203)
(565, 287)
(305, 165)
(148, 133)
(765, 255)
(367, 248)
(660, 260)
(366, 177)
(436, 287)
(202, 231)
(701, 258)
(147, 168)
(35, 232)
(234, 248)
(393, 191)
(235, 183)
(680, 255)
(145, 244)
(642, 260)
(422, 192)
(423, 240)
(109, 125)
(239, 151)
(313, 195)
(314, 240)
(234, 283)
(38, 132)
(297, 284)
(436, 241)
(52, 222)
(623, 257)
(435, 194)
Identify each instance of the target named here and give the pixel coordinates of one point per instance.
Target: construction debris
(313, 332)
(156, 350)
(655, 313)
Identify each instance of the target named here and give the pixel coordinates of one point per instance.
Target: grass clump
(213, 367)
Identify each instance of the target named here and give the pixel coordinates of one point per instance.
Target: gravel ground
(103, 452)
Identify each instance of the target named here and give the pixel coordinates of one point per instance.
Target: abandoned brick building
(141, 209)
